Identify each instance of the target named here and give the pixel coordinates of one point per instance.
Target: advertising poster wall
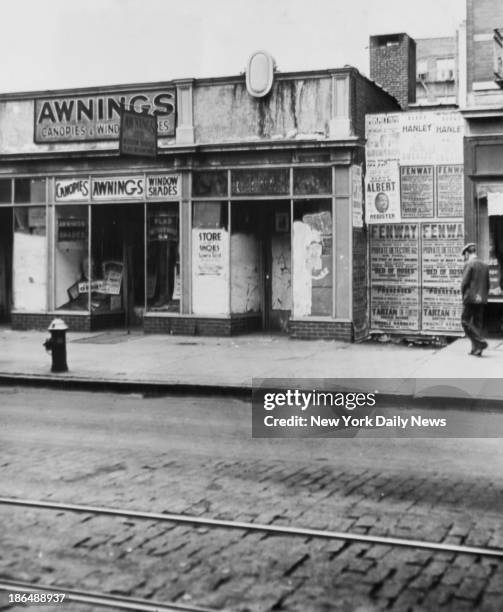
(415, 261)
(442, 267)
(394, 273)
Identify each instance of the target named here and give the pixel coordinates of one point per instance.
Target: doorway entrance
(261, 262)
(5, 264)
(118, 259)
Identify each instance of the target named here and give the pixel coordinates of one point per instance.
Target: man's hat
(470, 245)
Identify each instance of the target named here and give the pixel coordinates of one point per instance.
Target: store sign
(138, 134)
(72, 190)
(113, 188)
(163, 186)
(71, 229)
(97, 117)
(210, 250)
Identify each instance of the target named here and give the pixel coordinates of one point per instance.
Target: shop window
(71, 258)
(260, 182)
(30, 259)
(209, 184)
(163, 257)
(312, 258)
(29, 190)
(210, 258)
(490, 235)
(312, 181)
(246, 229)
(5, 191)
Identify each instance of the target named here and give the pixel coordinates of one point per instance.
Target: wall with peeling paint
(245, 280)
(226, 112)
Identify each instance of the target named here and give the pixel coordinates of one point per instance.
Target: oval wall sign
(259, 74)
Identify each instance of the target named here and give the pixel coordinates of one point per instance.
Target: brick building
(393, 65)
(436, 71)
(482, 102)
(249, 217)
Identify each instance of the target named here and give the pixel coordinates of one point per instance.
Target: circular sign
(259, 74)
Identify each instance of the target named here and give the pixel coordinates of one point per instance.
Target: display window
(312, 244)
(490, 233)
(31, 190)
(210, 258)
(30, 258)
(71, 257)
(163, 286)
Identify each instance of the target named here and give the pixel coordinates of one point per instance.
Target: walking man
(474, 289)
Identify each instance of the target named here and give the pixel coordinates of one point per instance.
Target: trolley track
(101, 600)
(255, 527)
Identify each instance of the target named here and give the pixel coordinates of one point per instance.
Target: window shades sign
(118, 188)
(97, 117)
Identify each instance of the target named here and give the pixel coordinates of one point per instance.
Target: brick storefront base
(321, 330)
(201, 326)
(188, 326)
(24, 320)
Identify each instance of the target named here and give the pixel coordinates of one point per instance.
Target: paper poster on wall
(210, 271)
(394, 307)
(382, 192)
(416, 191)
(394, 276)
(442, 269)
(450, 198)
(357, 194)
(383, 133)
(431, 138)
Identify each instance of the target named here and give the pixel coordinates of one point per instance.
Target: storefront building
(481, 66)
(249, 217)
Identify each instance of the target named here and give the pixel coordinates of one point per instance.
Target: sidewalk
(187, 362)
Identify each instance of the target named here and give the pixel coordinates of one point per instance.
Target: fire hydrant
(56, 344)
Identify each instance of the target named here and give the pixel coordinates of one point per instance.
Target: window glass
(5, 191)
(71, 257)
(27, 190)
(312, 181)
(312, 258)
(163, 257)
(30, 259)
(211, 183)
(445, 69)
(210, 258)
(260, 182)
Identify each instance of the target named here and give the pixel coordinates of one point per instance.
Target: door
(276, 266)
(5, 263)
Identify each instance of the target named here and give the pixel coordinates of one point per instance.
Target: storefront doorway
(261, 279)
(5, 264)
(118, 260)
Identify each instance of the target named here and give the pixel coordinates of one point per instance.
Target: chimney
(393, 66)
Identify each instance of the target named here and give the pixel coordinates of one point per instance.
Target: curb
(244, 392)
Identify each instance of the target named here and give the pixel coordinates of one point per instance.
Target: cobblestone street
(194, 456)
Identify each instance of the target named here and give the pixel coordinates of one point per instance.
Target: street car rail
(246, 526)
(98, 599)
